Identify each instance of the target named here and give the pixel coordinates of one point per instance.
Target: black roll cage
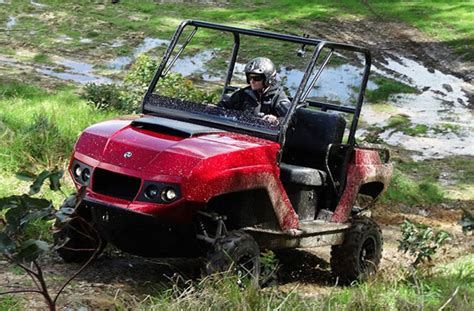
(299, 97)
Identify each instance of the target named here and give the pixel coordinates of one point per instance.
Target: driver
(264, 96)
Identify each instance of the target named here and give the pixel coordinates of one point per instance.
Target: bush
(128, 97)
(420, 241)
(104, 96)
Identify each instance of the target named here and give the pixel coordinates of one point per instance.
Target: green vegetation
(42, 58)
(451, 284)
(127, 97)
(386, 87)
(409, 191)
(11, 303)
(396, 123)
(413, 290)
(421, 241)
(446, 128)
(39, 128)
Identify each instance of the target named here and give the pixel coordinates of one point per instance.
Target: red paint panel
(205, 166)
(366, 166)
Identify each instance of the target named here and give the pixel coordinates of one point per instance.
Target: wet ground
(444, 102)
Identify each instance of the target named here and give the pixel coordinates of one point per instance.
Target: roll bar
(300, 95)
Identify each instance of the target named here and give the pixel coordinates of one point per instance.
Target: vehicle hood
(157, 146)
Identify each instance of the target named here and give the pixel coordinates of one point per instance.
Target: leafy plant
(420, 241)
(268, 267)
(104, 96)
(17, 243)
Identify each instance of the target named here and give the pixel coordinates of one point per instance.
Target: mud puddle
(147, 45)
(76, 71)
(442, 104)
(66, 69)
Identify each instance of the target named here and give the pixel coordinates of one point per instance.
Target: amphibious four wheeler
(192, 179)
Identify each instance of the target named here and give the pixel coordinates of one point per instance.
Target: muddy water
(443, 100)
(76, 71)
(147, 45)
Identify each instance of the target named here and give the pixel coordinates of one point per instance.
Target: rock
(448, 87)
(423, 212)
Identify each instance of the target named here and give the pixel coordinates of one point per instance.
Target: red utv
(193, 179)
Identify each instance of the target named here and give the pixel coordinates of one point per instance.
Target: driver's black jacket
(274, 101)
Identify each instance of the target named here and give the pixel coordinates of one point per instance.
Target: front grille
(115, 185)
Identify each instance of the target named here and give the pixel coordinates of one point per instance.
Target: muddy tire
(77, 240)
(236, 252)
(360, 253)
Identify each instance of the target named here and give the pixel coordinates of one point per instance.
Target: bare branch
(80, 270)
(21, 291)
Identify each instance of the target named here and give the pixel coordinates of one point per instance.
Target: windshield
(207, 77)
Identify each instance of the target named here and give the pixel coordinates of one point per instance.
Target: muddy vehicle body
(191, 179)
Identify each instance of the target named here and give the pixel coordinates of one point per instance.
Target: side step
(314, 233)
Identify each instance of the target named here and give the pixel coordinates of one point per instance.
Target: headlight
(77, 170)
(81, 172)
(86, 175)
(159, 192)
(151, 192)
(168, 194)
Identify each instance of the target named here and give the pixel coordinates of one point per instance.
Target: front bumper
(143, 234)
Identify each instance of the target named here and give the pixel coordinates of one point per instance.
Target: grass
(412, 290)
(406, 289)
(407, 190)
(39, 128)
(11, 303)
(386, 88)
(422, 182)
(42, 58)
(458, 169)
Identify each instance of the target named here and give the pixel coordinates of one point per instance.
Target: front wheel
(360, 253)
(77, 240)
(236, 252)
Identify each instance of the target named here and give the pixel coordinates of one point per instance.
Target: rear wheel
(236, 252)
(360, 253)
(77, 240)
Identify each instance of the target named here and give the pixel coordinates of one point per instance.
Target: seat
(308, 138)
(302, 175)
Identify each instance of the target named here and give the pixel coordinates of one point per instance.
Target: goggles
(256, 77)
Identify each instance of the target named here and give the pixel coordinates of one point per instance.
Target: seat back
(309, 136)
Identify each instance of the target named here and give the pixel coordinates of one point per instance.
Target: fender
(366, 166)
